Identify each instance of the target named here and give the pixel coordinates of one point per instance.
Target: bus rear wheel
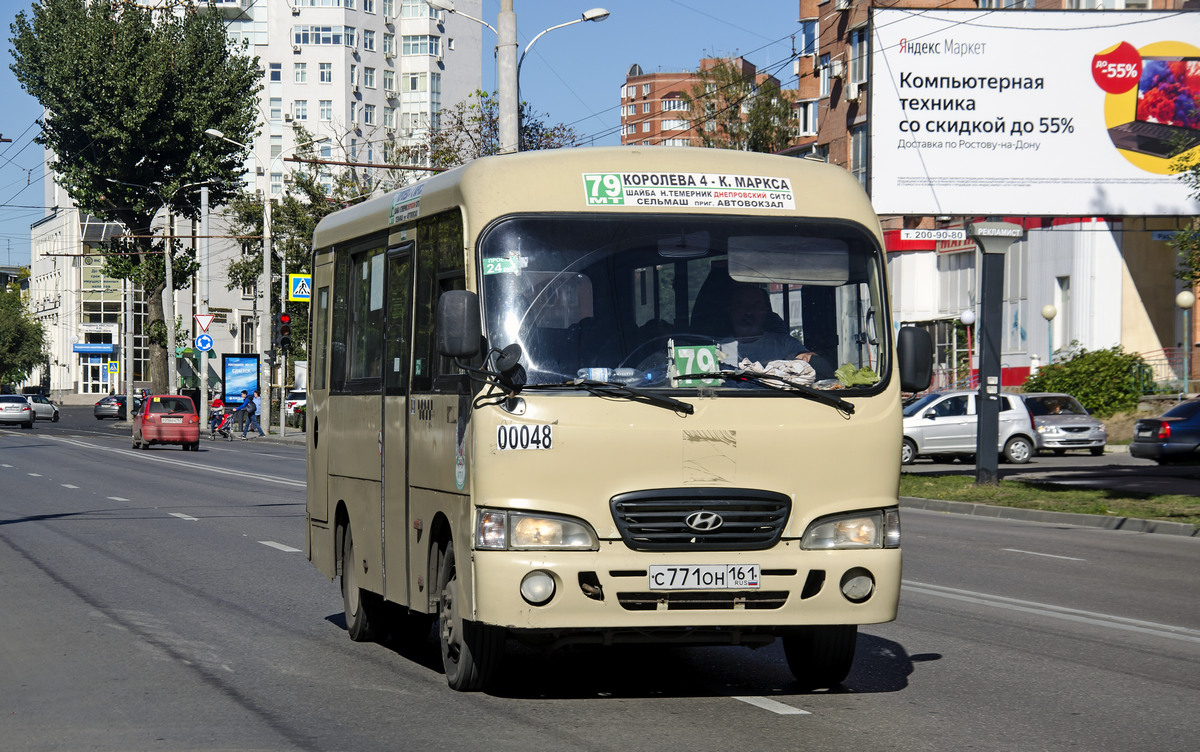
(364, 611)
(820, 657)
(471, 652)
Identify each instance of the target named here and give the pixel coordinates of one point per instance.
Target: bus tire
(363, 609)
(471, 652)
(820, 657)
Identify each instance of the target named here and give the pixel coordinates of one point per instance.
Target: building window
(325, 73)
(276, 146)
(321, 35)
(858, 55)
(806, 116)
(631, 92)
(414, 82)
(674, 105)
(389, 117)
(276, 183)
(353, 74)
(300, 109)
(858, 153)
(275, 72)
(326, 110)
(368, 6)
(417, 9)
(301, 76)
(369, 77)
(824, 65)
(674, 125)
(353, 113)
(351, 36)
(368, 114)
(389, 81)
(389, 45)
(421, 44)
(646, 127)
(389, 9)
(645, 106)
(276, 108)
(368, 40)
(808, 36)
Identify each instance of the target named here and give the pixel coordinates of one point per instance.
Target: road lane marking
(5, 465)
(117, 498)
(212, 469)
(1048, 556)
(187, 517)
(67, 485)
(281, 547)
(34, 475)
(1057, 612)
(772, 705)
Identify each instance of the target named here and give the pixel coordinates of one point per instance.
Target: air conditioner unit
(296, 48)
(259, 171)
(295, 11)
(287, 117)
(853, 92)
(439, 57)
(841, 4)
(391, 132)
(837, 69)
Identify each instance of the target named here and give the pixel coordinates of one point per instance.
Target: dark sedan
(113, 406)
(1174, 436)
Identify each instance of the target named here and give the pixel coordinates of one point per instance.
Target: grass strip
(1053, 498)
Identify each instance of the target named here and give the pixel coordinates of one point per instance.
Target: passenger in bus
(750, 318)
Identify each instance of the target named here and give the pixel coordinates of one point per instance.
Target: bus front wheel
(363, 610)
(471, 652)
(820, 657)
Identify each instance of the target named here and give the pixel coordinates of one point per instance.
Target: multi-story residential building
(367, 75)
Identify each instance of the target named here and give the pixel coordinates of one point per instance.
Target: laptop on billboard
(1166, 117)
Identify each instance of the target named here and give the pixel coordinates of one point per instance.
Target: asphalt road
(161, 600)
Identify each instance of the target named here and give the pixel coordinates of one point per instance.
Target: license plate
(1145, 433)
(172, 420)
(704, 577)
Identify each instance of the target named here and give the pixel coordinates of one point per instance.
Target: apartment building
(368, 75)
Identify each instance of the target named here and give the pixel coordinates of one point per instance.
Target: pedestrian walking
(252, 411)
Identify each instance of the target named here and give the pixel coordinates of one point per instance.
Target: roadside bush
(1102, 380)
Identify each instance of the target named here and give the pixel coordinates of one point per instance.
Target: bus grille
(736, 519)
(702, 601)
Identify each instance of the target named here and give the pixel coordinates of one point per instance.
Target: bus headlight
(878, 529)
(502, 529)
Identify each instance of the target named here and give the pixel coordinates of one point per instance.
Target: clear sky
(571, 75)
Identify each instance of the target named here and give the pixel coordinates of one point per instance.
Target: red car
(167, 419)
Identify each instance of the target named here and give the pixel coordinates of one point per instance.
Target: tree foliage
(733, 109)
(128, 92)
(22, 339)
(471, 129)
(1187, 241)
(1104, 381)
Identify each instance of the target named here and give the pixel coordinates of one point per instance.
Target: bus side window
(439, 267)
(320, 333)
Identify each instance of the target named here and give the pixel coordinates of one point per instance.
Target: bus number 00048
(524, 437)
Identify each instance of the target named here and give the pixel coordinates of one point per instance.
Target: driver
(748, 311)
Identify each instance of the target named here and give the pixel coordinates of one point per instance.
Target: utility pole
(202, 283)
(506, 68)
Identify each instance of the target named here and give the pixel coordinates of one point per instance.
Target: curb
(1104, 522)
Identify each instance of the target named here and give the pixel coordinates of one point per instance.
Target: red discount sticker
(1118, 71)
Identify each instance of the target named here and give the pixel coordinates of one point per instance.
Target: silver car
(1062, 423)
(43, 408)
(943, 425)
(14, 408)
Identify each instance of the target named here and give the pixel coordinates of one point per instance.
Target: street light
(509, 66)
(264, 334)
(1048, 313)
(967, 317)
(1186, 300)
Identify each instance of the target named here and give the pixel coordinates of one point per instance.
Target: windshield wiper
(779, 383)
(615, 389)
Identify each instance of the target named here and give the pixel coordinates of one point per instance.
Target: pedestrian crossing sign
(300, 287)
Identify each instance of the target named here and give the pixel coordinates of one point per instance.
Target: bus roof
(615, 179)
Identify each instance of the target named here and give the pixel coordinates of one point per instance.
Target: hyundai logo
(704, 522)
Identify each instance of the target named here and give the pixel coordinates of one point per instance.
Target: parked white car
(943, 425)
(1062, 423)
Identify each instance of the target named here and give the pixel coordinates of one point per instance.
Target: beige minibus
(610, 395)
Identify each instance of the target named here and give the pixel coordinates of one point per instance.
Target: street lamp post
(967, 317)
(1186, 300)
(1048, 313)
(264, 329)
(508, 65)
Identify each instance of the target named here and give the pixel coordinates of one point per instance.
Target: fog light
(537, 588)
(857, 585)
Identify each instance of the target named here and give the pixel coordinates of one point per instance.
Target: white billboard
(1033, 112)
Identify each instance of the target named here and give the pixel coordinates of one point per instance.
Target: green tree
(732, 107)
(1187, 241)
(471, 129)
(22, 339)
(127, 93)
(1104, 381)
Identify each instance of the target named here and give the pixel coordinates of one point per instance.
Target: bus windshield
(677, 302)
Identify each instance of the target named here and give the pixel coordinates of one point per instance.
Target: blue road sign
(204, 342)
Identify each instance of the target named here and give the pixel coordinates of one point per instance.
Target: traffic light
(283, 330)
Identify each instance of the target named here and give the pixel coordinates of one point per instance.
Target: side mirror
(458, 329)
(930, 414)
(914, 353)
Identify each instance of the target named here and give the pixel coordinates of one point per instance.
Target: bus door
(397, 342)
